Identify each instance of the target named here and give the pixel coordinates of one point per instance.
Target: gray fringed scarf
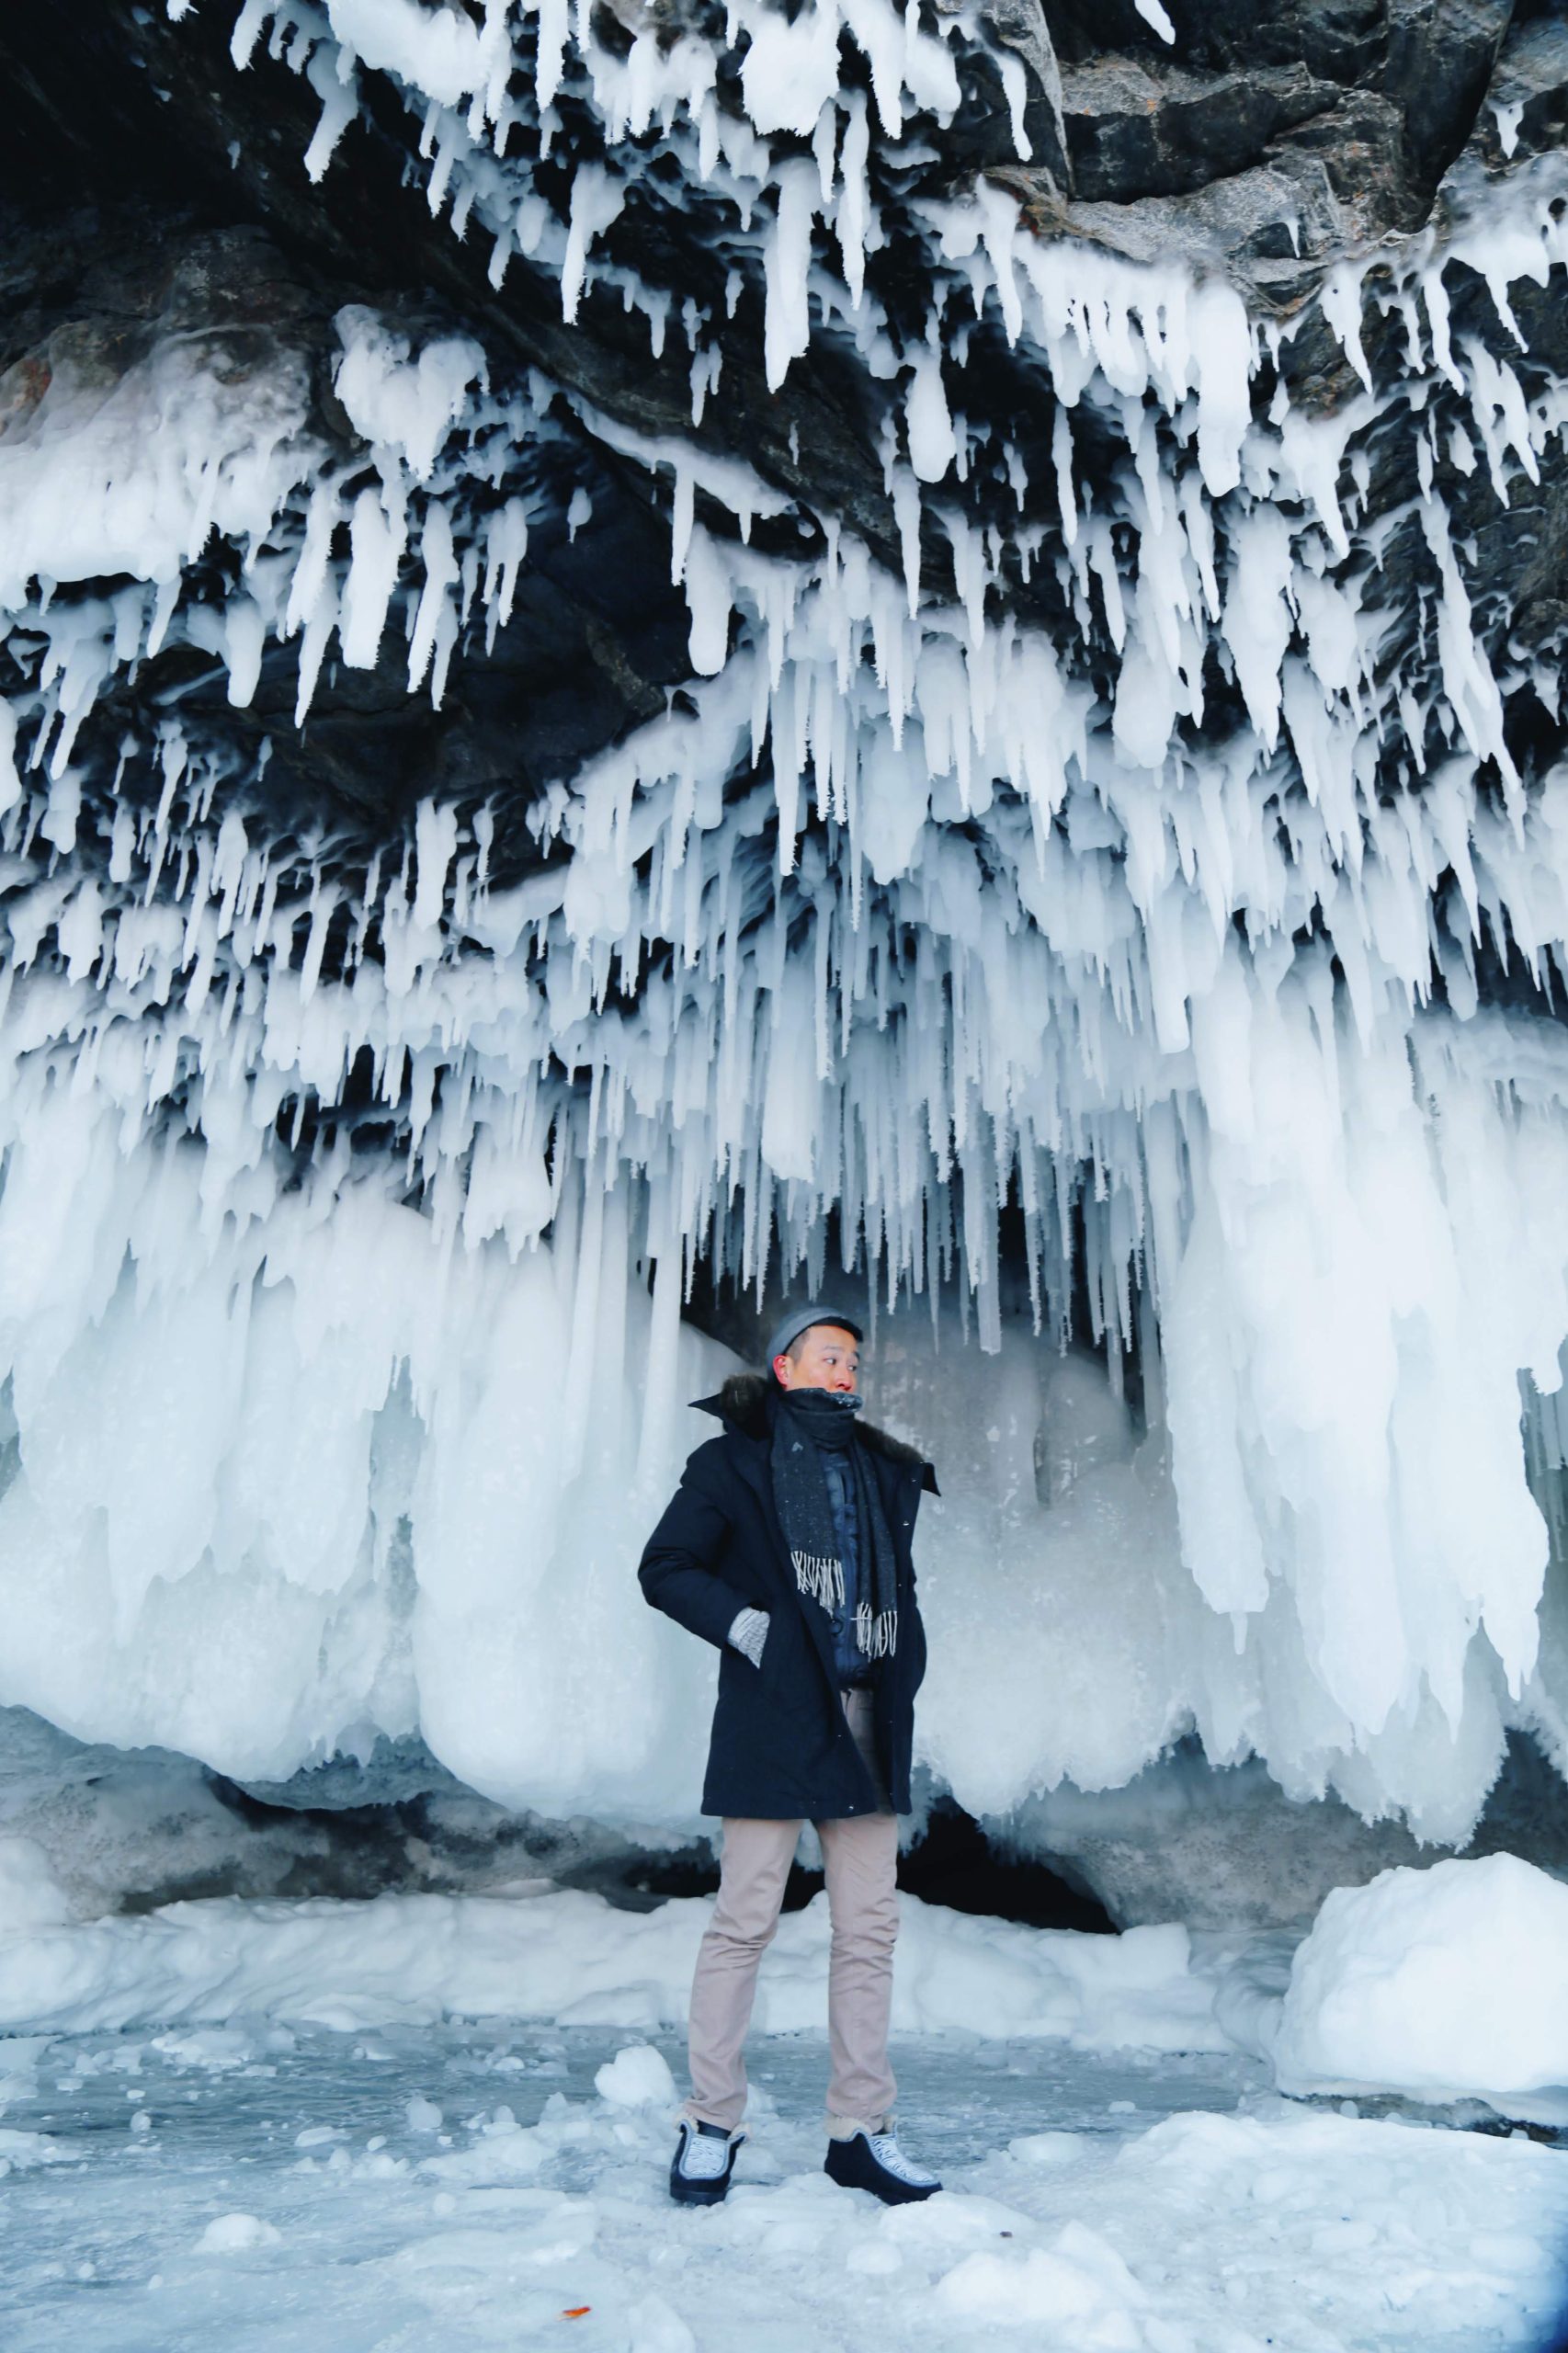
(804, 1420)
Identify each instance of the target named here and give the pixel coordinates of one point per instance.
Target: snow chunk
(237, 2235)
(637, 2076)
(18, 2149)
(656, 2327)
(1442, 1984)
(1080, 2285)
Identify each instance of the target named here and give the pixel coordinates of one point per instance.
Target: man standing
(788, 1546)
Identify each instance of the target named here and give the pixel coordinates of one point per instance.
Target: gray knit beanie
(801, 1319)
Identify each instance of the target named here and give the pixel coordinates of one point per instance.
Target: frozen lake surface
(258, 2185)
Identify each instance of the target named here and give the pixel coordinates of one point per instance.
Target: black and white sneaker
(874, 2161)
(704, 2160)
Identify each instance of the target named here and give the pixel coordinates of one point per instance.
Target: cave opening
(450, 1841)
(951, 1863)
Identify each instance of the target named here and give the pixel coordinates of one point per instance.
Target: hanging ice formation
(1070, 814)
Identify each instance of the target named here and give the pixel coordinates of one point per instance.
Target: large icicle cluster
(1127, 853)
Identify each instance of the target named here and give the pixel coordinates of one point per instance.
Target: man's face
(829, 1357)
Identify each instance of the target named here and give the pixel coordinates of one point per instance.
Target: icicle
(597, 200)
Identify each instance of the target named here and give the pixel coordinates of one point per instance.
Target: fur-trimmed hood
(742, 1402)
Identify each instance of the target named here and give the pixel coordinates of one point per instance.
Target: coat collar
(742, 1404)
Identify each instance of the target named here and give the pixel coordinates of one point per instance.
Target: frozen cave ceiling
(157, 195)
(665, 643)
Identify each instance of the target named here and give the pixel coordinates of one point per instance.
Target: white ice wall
(293, 1477)
(294, 1485)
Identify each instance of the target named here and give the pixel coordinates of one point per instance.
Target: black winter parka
(781, 1749)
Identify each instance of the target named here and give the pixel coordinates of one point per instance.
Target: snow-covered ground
(266, 2124)
(259, 2185)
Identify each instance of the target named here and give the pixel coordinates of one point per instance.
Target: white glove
(748, 1634)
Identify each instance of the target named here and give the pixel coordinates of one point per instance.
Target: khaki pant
(860, 1859)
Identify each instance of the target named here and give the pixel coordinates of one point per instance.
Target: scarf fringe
(876, 1631)
(821, 1575)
